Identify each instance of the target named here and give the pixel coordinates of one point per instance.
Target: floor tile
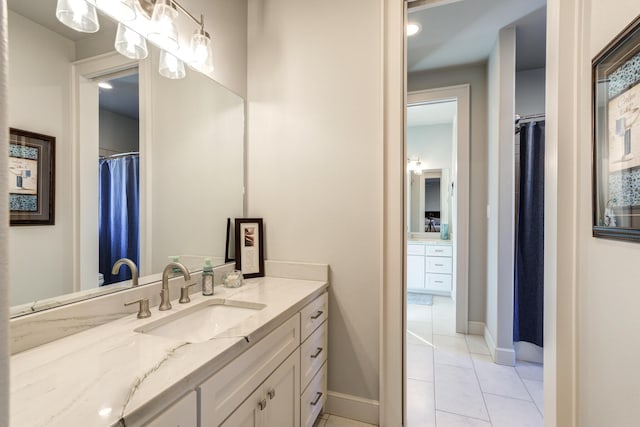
(420, 404)
(419, 362)
(418, 313)
(446, 419)
(499, 379)
(536, 390)
(335, 421)
(416, 336)
(477, 344)
(458, 392)
(451, 350)
(530, 371)
(507, 412)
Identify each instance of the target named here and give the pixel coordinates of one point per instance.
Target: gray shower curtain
(529, 253)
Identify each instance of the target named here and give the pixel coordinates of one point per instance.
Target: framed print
(249, 247)
(31, 178)
(616, 137)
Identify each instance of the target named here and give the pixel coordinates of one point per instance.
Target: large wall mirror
(145, 167)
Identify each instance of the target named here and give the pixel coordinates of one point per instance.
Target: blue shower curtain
(119, 215)
(529, 253)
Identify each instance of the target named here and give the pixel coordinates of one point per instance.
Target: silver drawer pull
(317, 353)
(439, 265)
(262, 404)
(439, 250)
(271, 393)
(438, 281)
(317, 399)
(318, 314)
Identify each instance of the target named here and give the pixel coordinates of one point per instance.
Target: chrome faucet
(165, 304)
(132, 267)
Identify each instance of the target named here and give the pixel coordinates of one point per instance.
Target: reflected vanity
(191, 160)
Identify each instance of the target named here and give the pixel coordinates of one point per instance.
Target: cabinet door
(282, 392)
(276, 403)
(249, 414)
(415, 271)
(183, 413)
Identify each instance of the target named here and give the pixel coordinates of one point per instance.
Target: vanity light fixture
(413, 28)
(121, 10)
(130, 44)
(163, 26)
(201, 52)
(170, 66)
(78, 14)
(415, 166)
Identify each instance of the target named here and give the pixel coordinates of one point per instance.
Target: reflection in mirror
(188, 135)
(430, 144)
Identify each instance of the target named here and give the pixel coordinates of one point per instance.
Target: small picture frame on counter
(249, 244)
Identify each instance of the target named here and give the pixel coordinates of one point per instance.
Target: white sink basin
(203, 321)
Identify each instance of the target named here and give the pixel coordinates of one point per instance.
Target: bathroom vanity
(430, 266)
(251, 356)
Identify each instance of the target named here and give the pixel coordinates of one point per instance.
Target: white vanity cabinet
(430, 267)
(263, 387)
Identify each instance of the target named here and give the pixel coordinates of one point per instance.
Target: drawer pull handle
(271, 393)
(439, 250)
(439, 281)
(439, 265)
(317, 353)
(318, 314)
(262, 404)
(317, 399)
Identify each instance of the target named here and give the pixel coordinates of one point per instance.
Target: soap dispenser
(207, 277)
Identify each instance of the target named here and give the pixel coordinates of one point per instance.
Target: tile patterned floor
(453, 382)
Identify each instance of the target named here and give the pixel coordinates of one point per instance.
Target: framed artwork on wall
(31, 178)
(616, 137)
(249, 240)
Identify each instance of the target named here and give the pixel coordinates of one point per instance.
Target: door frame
(460, 177)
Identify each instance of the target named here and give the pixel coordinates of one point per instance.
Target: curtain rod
(113, 156)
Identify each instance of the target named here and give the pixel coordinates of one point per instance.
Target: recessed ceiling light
(105, 85)
(413, 28)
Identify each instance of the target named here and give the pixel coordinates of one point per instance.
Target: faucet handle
(143, 310)
(184, 293)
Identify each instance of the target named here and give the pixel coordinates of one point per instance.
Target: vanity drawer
(313, 354)
(222, 393)
(313, 398)
(415, 250)
(313, 315)
(439, 282)
(440, 250)
(438, 265)
(183, 413)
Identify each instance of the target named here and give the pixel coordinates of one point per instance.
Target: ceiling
(465, 32)
(431, 114)
(123, 98)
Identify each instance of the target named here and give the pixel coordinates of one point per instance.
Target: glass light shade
(163, 26)
(78, 14)
(130, 44)
(121, 10)
(170, 66)
(201, 52)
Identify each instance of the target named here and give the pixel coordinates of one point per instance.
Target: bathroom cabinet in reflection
(191, 160)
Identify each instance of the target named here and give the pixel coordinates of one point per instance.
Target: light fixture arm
(147, 7)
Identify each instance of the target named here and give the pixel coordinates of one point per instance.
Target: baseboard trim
(476, 328)
(501, 355)
(529, 352)
(354, 407)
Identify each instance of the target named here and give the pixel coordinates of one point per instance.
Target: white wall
(530, 91)
(315, 161)
(39, 100)
(500, 232)
(608, 288)
(476, 76)
(118, 133)
(432, 144)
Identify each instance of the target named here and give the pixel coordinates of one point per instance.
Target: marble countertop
(425, 240)
(112, 376)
